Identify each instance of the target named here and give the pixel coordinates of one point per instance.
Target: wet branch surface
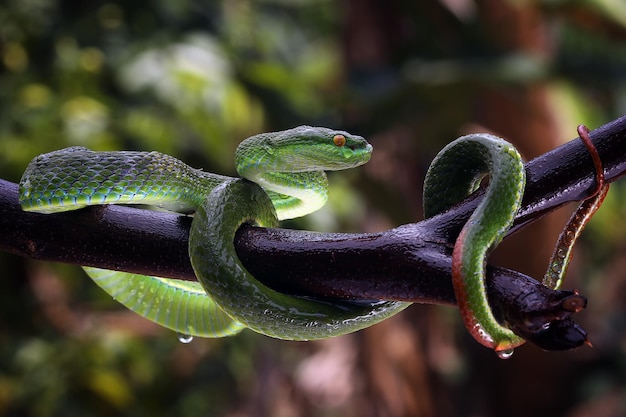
(411, 262)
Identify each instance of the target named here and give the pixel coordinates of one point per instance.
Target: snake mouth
(357, 153)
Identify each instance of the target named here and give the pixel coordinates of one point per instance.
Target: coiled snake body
(283, 178)
(288, 165)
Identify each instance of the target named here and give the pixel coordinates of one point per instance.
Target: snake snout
(360, 146)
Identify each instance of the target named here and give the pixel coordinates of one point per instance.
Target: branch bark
(411, 262)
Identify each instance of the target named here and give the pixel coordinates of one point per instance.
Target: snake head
(302, 149)
(327, 149)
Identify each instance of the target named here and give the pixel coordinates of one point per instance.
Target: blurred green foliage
(194, 78)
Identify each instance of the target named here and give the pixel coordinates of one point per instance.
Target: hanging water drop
(184, 338)
(505, 354)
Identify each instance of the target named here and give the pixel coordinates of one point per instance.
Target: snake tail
(563, 251)
(454, 173)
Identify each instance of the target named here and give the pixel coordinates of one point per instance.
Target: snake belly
(456, 172)
(288, 165)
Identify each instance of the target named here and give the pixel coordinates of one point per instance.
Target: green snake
(282, 178)
(289, 165)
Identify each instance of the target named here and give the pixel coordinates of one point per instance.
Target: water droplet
(184, 338)
(505, 354)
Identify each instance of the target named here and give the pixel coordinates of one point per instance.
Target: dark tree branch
(155, 242)
(411, 262)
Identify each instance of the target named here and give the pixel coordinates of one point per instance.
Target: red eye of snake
(339, 140)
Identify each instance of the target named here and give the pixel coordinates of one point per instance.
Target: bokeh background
(194, 78)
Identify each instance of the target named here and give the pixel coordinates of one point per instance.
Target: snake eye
(339, 140)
